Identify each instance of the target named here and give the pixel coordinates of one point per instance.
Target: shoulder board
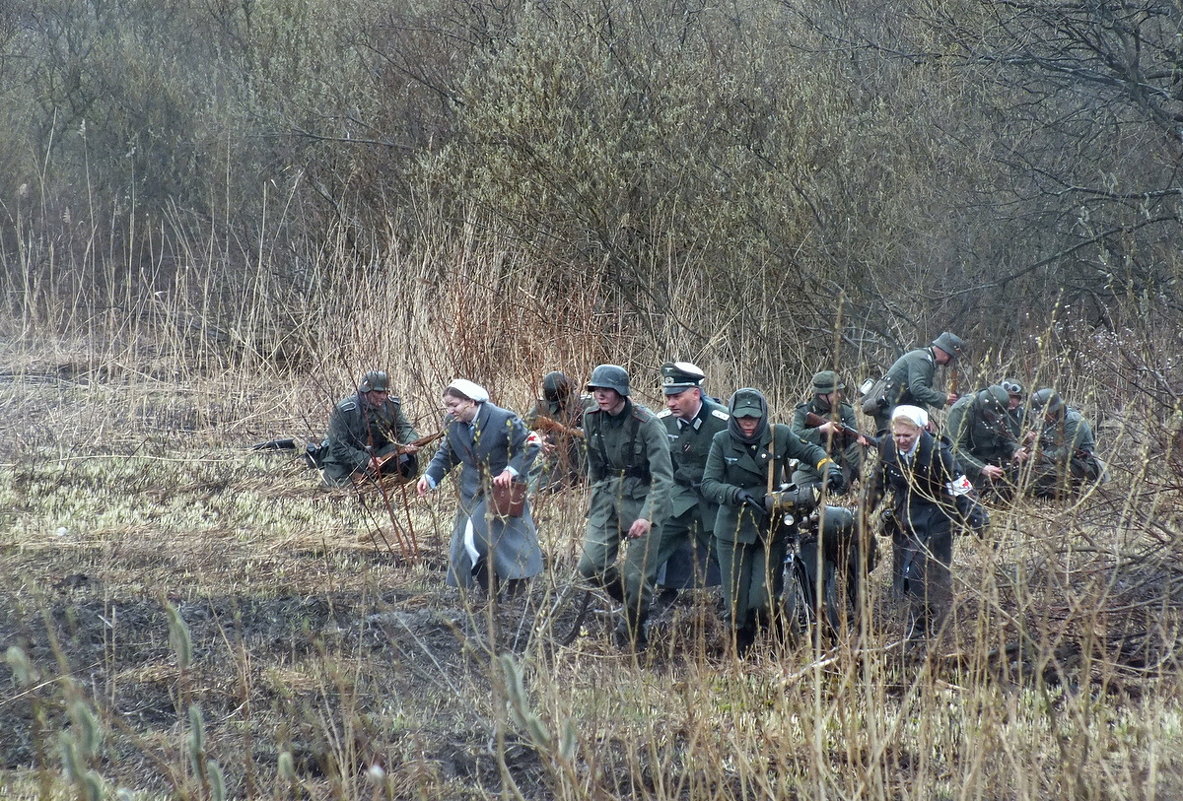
(722, 415)
(395, 399)
(664, 413)
(845, 405)
(801, 405)
(643, 414)
(592, 410)
(348, 405)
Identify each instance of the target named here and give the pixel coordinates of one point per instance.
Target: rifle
(402, 449)
(552, 426)
(813, 420)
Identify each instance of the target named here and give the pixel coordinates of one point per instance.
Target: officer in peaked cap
(691, 419)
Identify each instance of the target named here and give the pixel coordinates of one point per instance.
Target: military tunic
(845, 451)
(749, 547)
(911, 376)
(631, 477)
(980, 437)
(358, 431)
(687, 553)
(1064, 456)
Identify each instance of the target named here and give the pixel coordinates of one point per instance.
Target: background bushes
(773, 185)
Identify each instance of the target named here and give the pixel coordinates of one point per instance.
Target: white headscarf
(470, 389)
(913, 414)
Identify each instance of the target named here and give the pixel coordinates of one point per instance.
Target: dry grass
(311, 637)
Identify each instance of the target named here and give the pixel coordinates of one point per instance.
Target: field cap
(747, 403)
(826, 381)
(950, 343)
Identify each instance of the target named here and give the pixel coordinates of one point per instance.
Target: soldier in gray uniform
(845, 449)
(980, 433)
(1015, 412)
(744, 460)
(1064, 457)
(687, 553)
(364, 427)
(558, 417)
(909, 381)
(631, 476)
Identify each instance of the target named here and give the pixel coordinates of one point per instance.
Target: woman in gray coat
(494, 449)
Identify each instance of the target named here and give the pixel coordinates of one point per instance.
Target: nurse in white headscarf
(493, 448)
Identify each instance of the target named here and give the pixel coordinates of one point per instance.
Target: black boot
(630, 634)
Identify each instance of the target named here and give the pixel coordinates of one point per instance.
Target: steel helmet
(556, 386)
(609, 376)
(374, 381)
(994, 398)
(1046, 400)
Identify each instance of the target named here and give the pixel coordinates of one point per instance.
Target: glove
(745, 498)
(835, 481)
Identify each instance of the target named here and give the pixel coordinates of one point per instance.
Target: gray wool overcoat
(497, 439)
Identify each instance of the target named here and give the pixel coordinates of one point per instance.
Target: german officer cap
(677, 377)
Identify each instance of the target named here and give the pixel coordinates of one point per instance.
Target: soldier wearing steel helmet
(827, 403)
(1016, 413)
(631, 476)
(1063, 447)
(558, 417)
(366, 426)
(686, 557)
(979, 430)
(909, 381)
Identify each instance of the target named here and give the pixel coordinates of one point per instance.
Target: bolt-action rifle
(813, 420)
(403, 449)
(552, 426)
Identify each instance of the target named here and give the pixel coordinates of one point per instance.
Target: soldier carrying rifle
(828, 420)
(558, 417)
(364, 428)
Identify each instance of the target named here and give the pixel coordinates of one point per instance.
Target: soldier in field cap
(691, 419)
(827, 403)
(909, 381)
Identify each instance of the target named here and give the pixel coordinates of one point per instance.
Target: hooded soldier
(747, 460)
